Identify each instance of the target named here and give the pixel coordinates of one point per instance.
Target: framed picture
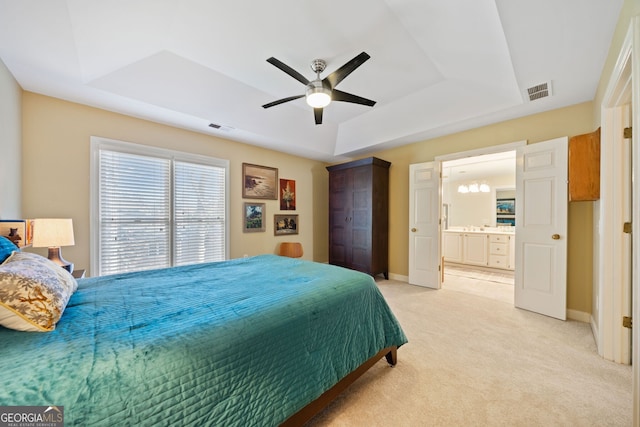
(506, 206)
(287, 195)
(285, 224)
(259, 182)
(254, 215)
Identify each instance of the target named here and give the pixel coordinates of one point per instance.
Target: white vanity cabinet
(475, 249)
(452, 246)
(479, 248)
(498, 250)
(512, 252)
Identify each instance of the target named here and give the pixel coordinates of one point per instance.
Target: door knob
(414, 229)
(555, 236)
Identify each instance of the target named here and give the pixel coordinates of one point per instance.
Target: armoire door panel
(361, 219)
(360, 238)
(338, 235)
(361, 200)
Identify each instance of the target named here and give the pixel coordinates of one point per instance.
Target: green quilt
(246, 342)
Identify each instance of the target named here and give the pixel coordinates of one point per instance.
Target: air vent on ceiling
(221, 127)
(538, 91)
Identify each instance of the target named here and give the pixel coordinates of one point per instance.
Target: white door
(424, 225)
(541, 228)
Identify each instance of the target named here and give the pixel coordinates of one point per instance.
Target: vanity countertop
(479, 230)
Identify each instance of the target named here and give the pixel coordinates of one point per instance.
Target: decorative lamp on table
(53, 233)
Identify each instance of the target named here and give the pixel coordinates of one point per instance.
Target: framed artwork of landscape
(259, 182)
(254, 215)
(285, 224)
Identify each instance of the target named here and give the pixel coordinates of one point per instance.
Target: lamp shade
(52, 232)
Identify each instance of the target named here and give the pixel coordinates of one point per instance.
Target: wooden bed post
(392, 356)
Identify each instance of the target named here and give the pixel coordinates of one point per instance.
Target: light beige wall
(574, 120)
(56, 147)
(10, 145)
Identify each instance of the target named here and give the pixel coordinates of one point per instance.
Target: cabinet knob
(414, 229)
(555, 236)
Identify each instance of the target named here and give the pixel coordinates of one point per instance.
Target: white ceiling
(436, 66)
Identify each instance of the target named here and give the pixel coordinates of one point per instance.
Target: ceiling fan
(320, 92)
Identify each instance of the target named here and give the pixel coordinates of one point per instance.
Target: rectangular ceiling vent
(221, 127)
(541, 90)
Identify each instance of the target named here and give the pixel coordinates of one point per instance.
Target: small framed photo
(285, 224)
(287, 195)
(254, 215)
(259, 182)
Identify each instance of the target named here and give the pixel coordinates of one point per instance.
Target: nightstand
(78, 274)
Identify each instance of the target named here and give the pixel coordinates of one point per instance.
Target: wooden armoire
(359, 215)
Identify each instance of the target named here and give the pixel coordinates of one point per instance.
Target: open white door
(541, 228)
(424, 225)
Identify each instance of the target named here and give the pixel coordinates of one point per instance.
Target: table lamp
(53, 233)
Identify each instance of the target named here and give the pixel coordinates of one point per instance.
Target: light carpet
(478, 361)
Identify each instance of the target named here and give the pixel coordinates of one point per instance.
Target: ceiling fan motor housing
(318, 66)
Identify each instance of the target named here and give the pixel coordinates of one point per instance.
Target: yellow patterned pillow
(33, 292)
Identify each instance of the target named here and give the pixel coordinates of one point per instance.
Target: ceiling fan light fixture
(318, 96)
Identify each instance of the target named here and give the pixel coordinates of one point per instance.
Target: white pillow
(34, 292)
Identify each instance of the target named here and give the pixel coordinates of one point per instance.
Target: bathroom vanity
(482, 246)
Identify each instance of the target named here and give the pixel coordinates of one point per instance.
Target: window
(154, 208)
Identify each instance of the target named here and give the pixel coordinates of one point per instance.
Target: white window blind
(199, 213)
(156, 210)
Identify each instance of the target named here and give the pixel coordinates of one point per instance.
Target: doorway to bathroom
(478, 224)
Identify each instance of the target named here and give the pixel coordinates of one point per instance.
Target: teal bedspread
(246, 342)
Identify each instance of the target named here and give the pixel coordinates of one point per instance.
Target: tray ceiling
(436, 66)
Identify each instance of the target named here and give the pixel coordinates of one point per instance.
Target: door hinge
(626, 228)
(627, 132)
(627, 322)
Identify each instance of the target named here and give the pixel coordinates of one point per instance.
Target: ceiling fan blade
(337, 76)
(284, 67)
(317, 112)
(281, 101)
(338, 95)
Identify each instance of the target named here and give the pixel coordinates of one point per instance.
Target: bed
(259, 341)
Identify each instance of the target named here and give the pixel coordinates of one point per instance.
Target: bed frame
(315, 407)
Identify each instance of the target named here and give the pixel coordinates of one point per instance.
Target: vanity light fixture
(474, 188)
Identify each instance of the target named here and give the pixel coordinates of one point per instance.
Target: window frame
(101, 143)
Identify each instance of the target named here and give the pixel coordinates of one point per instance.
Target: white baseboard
(580, 316)
(399, 277)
